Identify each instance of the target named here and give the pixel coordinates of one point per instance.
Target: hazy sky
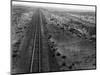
(75, 7)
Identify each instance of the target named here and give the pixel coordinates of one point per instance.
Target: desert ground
(52, 40)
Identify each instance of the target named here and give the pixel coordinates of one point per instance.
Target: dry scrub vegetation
(72, 38)
(21, 16)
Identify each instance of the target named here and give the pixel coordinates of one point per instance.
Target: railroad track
(35, 65)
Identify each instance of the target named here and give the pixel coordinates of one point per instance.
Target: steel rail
(39, 54)
(39, 44)
(32, 59)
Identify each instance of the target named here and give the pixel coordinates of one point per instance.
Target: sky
(71, 7)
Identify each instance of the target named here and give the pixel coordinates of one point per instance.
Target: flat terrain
(46, 40)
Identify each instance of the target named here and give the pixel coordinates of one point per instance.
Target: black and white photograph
(52, 37)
